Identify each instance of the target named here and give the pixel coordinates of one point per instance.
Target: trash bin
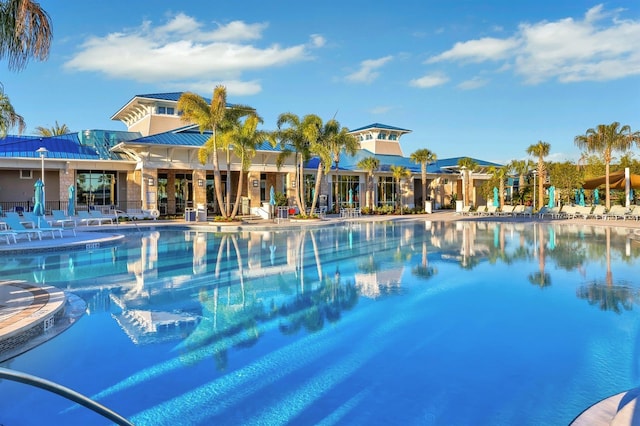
(246, 210)
(201, 213)
(189, 214)
(428, 207)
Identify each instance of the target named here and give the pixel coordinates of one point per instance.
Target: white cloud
(379, 110)
(473, 83)
(182, 49)
(429, 80)
(481, 50)
(317, 40)
(566, 50)
(367, 72)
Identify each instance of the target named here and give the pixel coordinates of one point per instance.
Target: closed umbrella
(496, 202)
(272, 199)
(552, 197)
(38, 208)
(350, 196)
(71, 208)
(581, 202)
(596, 196)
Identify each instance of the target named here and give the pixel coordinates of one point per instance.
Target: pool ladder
(16, 376)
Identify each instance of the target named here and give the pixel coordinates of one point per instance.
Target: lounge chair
(40, 223)
(61, 220)
(507, 210)
(491, 210)
(16, 226)
(93, 217)
(597, 213)
(8, 236)
(616, 212)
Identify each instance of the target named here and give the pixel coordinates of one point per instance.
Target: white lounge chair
(93, 217)
(61, 220)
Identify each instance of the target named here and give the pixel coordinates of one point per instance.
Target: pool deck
(23, 305)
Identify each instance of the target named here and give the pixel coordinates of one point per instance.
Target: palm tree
(500, 174)
(370, 165)
(320, 141)
(8, 116)
(343, 142)
(217, 119)
(522, 169)
(291, 137)
(605, 139)
(540, 150)
(399, 173)
(468, 165)
(25, 32)
(53, 131)
(245, 138)
(423, 157)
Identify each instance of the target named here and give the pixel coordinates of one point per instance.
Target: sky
(484, 79)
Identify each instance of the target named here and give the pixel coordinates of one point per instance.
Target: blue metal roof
(188, 136)
(86, 145)
(379, 126)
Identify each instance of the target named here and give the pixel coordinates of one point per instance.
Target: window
(369, 136)
(170, 111)
(26, 174)
(161, 110)
(393, 137)
(382, 135)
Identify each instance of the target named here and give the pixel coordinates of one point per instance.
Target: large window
(96, 188)
(348, 191)
(386, 191)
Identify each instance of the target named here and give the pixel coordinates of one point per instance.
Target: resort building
(154, 166)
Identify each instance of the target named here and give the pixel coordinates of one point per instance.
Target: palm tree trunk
(316, 187)
(217, 181)
(607, 186)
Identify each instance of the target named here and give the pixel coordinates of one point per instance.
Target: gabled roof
(380, 127)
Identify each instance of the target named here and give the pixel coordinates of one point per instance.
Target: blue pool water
(413, 323)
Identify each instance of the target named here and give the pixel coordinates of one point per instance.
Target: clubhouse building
(154, 166)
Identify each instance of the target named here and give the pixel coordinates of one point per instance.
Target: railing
(65, 392)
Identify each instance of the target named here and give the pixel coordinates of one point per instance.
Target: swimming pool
(411, 322)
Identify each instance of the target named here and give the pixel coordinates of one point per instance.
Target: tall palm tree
(321, 137)
(245, 137)
(423, 157)
(291, 137)
(25, 33)
(343, 142)
(468, 165)
(522, 169)
(8, 116)
(53, 131)
(370, 165)
(605, 139)
(216, 118)
(500, 173)
(399, 173)
(540, 150)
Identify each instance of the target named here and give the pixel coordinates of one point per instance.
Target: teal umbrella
(552, 197)
(71, 208)
(350, 196)
(496, 201)
(272, 196)
(582, 197)
(38, 208)
(596, 196)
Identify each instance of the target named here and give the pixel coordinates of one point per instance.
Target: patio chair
(60, 219)
(8, 236)
(597, 213)
(40, 224)
(93, 217)
(616, 212)
(16, 226)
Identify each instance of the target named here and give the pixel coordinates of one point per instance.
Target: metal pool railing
(65, 392)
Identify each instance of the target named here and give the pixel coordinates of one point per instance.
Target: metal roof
(380, 126)
(70, 146)
(189, 137)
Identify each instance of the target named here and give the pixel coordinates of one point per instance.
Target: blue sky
(484, 79)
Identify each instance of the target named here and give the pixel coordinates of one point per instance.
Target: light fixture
(200, 183)
(151, 182)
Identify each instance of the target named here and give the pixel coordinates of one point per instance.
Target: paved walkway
(22, 304)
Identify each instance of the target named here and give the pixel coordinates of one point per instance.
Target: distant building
(154, 165)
